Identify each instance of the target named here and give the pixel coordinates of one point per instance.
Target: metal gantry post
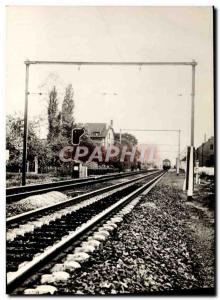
(191, 155)
(24, 160)
(193, 102)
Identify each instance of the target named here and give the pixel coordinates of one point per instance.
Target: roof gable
(96, 129)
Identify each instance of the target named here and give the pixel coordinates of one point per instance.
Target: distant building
(101, 134)
(205, 153)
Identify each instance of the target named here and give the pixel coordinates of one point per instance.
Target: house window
(96, 133)
(211, 147)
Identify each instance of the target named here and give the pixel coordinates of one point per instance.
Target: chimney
(111, 123)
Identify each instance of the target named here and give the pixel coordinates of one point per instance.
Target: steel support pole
(178, 157)
(24, 160)
(193, 104)
(191, 165)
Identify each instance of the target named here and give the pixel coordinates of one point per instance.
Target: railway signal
(77, 133)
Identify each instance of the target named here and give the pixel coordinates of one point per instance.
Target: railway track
(47, 232)
(16, 193)
(21, 218)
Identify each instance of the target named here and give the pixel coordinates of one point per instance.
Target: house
(101, 134)
(205, 153)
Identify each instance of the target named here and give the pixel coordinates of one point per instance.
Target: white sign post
(196, 170)
(7, 155)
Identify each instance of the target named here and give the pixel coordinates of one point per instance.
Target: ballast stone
(78, 257)
(112, 224)
(88, 248)
(41, 290)
(93, 243)
(55, 277)
(99, 237)
(108, 227)
(61, 276)
(30, 292)
(103, 232)
(46, 289)
(71, 265)
(47, 278)
(57, 268)
(116, 219)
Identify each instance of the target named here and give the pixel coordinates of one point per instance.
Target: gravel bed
(41, 200)
(34, 202)
(153, 251)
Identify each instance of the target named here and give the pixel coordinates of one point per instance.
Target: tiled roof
(96, 129)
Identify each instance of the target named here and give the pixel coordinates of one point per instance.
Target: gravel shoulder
(164, 246)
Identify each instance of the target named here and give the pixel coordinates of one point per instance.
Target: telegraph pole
(24, 160)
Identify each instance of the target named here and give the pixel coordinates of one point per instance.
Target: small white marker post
(7, 154)
(197, 172)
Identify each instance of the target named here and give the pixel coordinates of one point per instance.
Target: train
(166, 164)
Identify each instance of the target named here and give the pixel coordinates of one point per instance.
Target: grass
(14, 179)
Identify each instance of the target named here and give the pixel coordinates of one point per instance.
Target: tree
(126, 138)
(14, 142)
(54, 117)
(67, 117)
(14, 135)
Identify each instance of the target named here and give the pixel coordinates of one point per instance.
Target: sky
(134, 97)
